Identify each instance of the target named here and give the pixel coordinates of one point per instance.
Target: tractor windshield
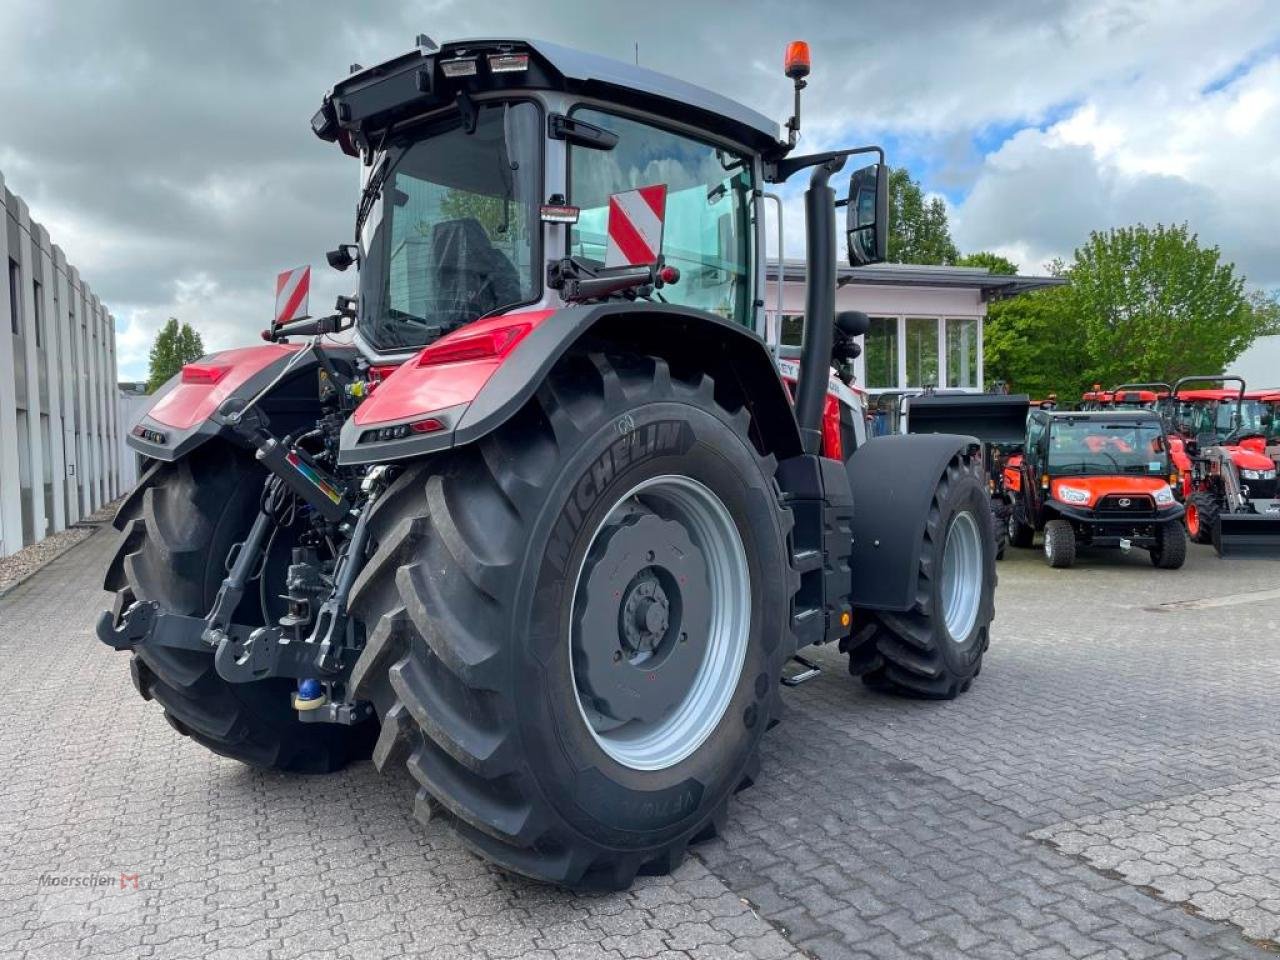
(1093, 447)
(1223, 419)
(450, 226)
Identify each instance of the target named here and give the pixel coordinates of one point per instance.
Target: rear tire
(489, 561)
(934, 650)
(1170, 550)
(1000, 512)
(172, 550)
(1201, 517)
(1059, 543)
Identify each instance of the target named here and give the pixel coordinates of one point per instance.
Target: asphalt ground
(1110, 787)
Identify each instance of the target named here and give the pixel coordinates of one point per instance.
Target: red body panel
(189, 404)
(1013, 473)
(1250, 458)
(1101, 486)
(413, 390)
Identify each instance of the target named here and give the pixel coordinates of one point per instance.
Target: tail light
(491, 344)
(206, 373)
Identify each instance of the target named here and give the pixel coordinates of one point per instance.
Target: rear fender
(893, 479)
(184, 415)
(442, 406)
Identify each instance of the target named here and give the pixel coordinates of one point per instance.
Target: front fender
(893, 479)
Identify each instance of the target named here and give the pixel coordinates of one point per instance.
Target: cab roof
(1217, 393)
(1101, 416)
(374, 98)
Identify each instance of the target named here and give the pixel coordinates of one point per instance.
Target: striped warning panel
(293, 290)
(635, 226)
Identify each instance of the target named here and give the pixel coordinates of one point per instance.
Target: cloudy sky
(166, 144)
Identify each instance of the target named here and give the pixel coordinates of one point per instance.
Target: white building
(59, 423)
(926, 322)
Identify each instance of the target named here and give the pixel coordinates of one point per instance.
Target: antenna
(637, 53)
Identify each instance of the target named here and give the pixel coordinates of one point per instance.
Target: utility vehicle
(549, 530)
(1098, 479)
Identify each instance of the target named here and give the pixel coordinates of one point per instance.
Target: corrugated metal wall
(60, 443)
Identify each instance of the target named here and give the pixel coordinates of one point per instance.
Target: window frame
(752, 302)
(15, 298)
(414, 130)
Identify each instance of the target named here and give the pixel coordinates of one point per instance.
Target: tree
(992, 261)
(1266, 308)
(175, 345)
(918, 230)
(1155, 305)
(1034, 343)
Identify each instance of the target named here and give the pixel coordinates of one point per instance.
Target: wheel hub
(638, 637)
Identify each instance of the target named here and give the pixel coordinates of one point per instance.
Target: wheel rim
(1193, 519)
(961, 576)
(1048, 543)
(660, 622)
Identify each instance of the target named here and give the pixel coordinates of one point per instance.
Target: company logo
(1124, 502)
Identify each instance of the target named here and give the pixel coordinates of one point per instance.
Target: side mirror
(867, 208)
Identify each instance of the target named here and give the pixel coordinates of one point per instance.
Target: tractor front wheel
(1202, 513)
(1020, 534)
(934, 650)
(1059, 543)
(577, 624)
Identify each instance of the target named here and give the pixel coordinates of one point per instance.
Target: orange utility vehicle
(1095, 478)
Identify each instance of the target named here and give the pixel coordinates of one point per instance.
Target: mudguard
(893, 479)
(421, 409)
(183, 413)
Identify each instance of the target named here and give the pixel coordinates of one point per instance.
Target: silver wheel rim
(1048, 543)
(710, 528)
(961, 577)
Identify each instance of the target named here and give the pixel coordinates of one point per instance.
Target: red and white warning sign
(293, 290)
(635, 226)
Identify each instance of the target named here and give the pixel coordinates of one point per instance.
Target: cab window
(709, 229)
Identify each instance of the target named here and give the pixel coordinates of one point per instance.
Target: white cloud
(1152, 154)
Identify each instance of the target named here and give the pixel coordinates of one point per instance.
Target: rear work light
(206, 373)
(491, 344)
(508, 62)
(461, 67)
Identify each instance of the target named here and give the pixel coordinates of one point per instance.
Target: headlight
(1073, 495)
(1258, 474)
(1164, 496)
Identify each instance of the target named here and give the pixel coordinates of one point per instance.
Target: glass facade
(922, 351)
(880, 353)
(962, 352)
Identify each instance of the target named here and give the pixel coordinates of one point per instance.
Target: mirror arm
(790, 165)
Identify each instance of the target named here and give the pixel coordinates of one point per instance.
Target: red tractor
(548, 530)
(1228, 479)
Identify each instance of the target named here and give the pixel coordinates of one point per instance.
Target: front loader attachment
(1248, 534)
(992, 418)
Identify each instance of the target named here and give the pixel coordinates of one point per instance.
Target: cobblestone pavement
(1119, 756)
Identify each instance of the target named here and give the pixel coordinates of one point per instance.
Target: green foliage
(918, 229)
(494, 214)
(992, 261)
(1266, 310)
(1143, 304)
(175, 345)
(1157, 306)
(1035, 344)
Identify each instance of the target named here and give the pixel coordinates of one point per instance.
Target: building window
(922, 351)
(37, 315)
(881, 353)
(15, 300)
(792, 329)
(962, 352)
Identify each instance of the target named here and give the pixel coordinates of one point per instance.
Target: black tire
(1201, 517)
(913, 653)
(1020, 534)
(1000, 513)
(173, 546)
(1170, 550)
(467, 597)
(1059, 543)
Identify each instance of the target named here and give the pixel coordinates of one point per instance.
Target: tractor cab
(1096, 478)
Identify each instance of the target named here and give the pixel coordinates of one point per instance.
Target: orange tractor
(1227, 477)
